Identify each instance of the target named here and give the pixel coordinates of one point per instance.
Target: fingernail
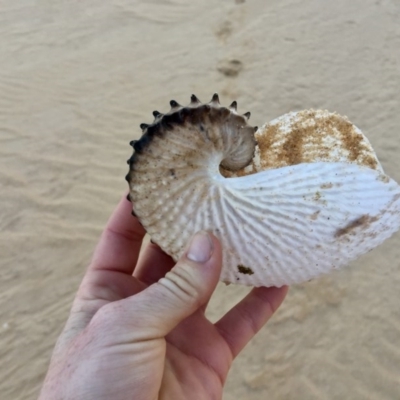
(200, 248)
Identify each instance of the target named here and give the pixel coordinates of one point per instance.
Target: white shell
(283, 223)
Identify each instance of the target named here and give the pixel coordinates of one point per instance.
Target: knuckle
(181, 284)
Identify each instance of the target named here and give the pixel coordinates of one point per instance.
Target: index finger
(120, 243)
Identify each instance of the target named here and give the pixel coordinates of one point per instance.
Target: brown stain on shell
(362, 222)
(266, 140)
(245, 270)
(293, 147)
(315, 215)
(310, 136)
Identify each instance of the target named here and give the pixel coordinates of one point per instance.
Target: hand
(137, 329)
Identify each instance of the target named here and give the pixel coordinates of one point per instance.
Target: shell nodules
(301, 196)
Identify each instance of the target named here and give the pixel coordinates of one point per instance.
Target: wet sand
(77, 79)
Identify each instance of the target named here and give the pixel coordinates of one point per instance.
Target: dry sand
(77, 78)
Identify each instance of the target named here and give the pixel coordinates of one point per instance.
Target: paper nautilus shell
(301, 196)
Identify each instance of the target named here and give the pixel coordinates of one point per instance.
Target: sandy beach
(77, 79)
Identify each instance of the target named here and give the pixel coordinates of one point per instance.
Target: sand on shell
(77, 79)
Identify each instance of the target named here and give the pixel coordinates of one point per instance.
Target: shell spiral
(203, 167)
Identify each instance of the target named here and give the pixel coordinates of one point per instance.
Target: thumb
(183, 290)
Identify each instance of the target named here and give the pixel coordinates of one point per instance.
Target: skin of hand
(137, 328)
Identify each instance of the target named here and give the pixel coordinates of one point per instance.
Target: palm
(195, 348)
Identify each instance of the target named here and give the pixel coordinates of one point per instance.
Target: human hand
(137, 329)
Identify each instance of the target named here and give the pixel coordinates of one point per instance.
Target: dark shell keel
(200, 116)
